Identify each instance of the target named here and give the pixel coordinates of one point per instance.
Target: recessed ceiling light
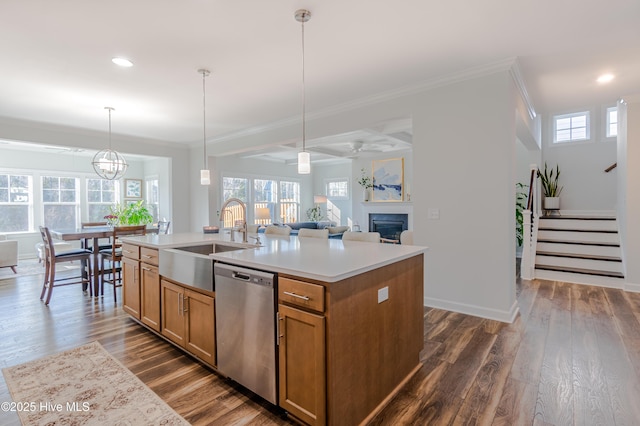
(123, 62)
(605, 78)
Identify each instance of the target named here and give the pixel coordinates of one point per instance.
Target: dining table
(92, 233)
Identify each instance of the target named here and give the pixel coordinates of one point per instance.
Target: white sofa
(8, 253)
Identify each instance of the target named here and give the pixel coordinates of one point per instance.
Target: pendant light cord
(303, 95)
(204, 119)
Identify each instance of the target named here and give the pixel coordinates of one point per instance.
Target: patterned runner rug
(84, 386)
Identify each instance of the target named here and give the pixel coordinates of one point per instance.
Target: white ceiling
(56, 58)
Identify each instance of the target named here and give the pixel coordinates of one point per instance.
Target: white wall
(586, 187)
(628, 172)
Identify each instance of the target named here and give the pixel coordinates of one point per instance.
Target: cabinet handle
(185, 306)
(127, 251)
(279, 331)
(146, 256)
(288, 293)
(144, 268)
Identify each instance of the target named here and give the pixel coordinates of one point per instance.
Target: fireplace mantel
(384, 207)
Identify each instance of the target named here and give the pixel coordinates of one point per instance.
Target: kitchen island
(349, 318)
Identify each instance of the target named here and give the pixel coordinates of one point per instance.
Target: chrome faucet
(243, 228)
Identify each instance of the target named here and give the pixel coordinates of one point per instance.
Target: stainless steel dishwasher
(245, 328)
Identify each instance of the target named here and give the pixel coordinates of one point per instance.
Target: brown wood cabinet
(347, 347)
(131, 286)
(141, 284)
(150, 296)
(188, 319)
(302, 364)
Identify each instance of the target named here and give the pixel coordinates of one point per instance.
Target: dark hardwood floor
(572, 357)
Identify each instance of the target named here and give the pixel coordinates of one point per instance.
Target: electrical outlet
(433, 214)
(383, 294)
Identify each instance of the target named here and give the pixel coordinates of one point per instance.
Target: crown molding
(456, 77)
(518, 79)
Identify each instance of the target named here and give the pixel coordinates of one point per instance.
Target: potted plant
(550, 187)
(365, 182)
(314, 214)
(135, 213)
(521, 205)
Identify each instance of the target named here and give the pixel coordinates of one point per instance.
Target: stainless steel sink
(192, 265)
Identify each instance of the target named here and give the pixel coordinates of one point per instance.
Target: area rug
(84, 386)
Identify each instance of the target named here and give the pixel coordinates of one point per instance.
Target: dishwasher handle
(240, 276)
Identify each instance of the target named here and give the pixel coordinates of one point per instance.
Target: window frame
(554, 128)
(29, 204)
(329, 181)
(607, 122)
(250, 200)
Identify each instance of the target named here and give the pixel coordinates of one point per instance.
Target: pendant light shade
(304, 163)
(205, 178)
(109, 164)
(304, 158)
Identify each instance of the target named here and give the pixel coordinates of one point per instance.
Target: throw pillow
(338, 229)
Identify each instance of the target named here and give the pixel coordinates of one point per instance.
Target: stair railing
(529, 230)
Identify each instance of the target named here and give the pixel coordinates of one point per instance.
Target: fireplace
(389, 225)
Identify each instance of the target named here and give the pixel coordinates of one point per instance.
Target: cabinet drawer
(299, 293)
(148, 255)
(131, 251)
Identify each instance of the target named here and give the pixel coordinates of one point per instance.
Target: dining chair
(163, 226)
(277, 230)
(313, 233)
(370, 237)
(51, 259)
(406, 237)
(113, 274)
(84, 243)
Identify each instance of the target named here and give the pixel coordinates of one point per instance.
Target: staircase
(579, 249)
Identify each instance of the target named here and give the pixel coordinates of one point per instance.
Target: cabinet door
(200, 333)
(302, 364)
(131, 286)
(150, 296)
(173, 323)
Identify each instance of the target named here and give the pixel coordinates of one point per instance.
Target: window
(612, 122)
(101, 195)
(337, 189)
(282, 198)
(60, 201)
(153, 198)
(289, 201)
(571, 127)
(15, 203)
(235, 188)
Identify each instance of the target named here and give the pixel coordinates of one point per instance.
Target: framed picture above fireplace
(388, 179)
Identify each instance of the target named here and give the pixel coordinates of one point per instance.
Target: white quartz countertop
(328, 260)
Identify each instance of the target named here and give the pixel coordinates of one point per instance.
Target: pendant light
(304, 158)
(107, 163)
(205, 178)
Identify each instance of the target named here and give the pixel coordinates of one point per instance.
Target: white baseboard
(474, 310)
(590, 213)
(631, 287)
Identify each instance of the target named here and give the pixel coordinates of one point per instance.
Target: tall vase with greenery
(366, 183)
(550, 188)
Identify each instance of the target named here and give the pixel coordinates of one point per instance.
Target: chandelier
(108, 163)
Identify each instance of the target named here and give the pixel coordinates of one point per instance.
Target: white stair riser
(590, 224)
(578, 236)
(579, 278)
(598, 265)
(579, 249)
